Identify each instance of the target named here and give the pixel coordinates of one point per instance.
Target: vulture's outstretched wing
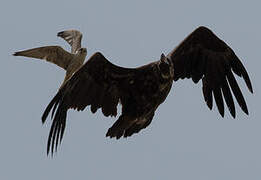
(202, 55)
(73, 37)
(53, 54)
(97, 83)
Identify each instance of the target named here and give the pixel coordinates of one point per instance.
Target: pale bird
(70, 62)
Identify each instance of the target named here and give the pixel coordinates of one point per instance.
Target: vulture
(102, 85)
(70, 62)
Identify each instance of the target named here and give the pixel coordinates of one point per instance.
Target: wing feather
(237, 92)
(228, 98)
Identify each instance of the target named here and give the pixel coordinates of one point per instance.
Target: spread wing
(73, 37)
(53, 54)
(202, 55)
(97, 83)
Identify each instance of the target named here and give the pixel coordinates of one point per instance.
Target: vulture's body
(100, 84)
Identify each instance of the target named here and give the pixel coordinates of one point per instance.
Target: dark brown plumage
(100, 84)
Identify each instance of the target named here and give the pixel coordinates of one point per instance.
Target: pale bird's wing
(73, 37)
(53, 54)
(98, 84)
(202, 55)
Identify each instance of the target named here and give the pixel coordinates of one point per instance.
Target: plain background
(185, 140)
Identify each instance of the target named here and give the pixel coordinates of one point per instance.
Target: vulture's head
(164, 67)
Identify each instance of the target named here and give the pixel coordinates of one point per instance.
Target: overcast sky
(179, 144)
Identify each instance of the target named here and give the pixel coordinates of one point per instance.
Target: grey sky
(196, 144)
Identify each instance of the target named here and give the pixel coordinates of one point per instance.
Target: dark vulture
(101, 84)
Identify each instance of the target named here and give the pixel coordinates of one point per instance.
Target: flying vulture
(100, 84)
(70, 62)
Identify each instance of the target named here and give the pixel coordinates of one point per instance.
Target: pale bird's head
(82, 51)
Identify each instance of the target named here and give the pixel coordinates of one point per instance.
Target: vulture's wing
(53, 54)
(73, 37)
(97, 83)
(202, 55)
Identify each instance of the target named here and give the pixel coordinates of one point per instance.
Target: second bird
(70, 62)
